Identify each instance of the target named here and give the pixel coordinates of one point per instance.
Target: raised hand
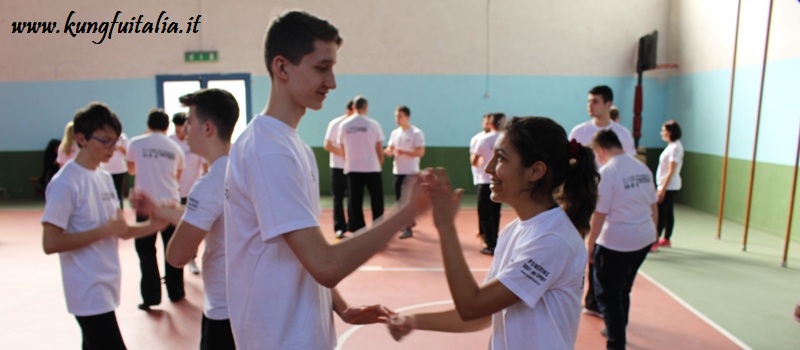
(400, 326)
(118, 226)
(414, 195)
(142, 202)
(444, 200)
(367, 314)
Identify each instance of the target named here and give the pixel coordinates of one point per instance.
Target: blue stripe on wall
(700, 104)
(448, 108)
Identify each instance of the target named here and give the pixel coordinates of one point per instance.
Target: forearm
(140, 229)
(654, 209)
(463, 286)
(449, 321)
(339, 304)
(57, 242)
(169, 214)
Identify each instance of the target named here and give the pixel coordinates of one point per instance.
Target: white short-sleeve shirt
(584, 133)
(192, 169)
(542, 261)
(157, 159)
(204, 209)
(407, 140)
(79, 200)
(673, 153)
(332, 135)
(626, 194)
(477, 173)
(485, 149)
(272, 188)
(359, 136)
(117, 163)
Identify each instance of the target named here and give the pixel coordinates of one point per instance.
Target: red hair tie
(574, 148)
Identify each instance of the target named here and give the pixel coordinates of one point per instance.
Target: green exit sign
(200, 56)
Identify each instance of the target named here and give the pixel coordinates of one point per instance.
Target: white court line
(373, 268)
(352, 330)
(697, 313)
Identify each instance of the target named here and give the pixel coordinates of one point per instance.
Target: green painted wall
(702, 177)
(16, 171)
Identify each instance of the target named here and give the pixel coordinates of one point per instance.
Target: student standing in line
(157, 162)
(338, 178)
(531, 296)
(488, 210)
(118, 167)
(622, 231)
(281, 270)
(194, 166)
(212, 116)
(361, 139)
(407, 146)
(668, 177)
(82, 222)
(477, 172)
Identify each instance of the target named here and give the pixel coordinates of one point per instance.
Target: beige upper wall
(525, 37)
(702, 33)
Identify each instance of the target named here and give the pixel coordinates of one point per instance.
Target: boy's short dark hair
(292, 36)
(158, 120)
(359, 102)
(405, 110)
(93, 117)
(215, 105)
(349, 105)
(606, 139)
(497, 120)
(674, 130)
(179, 118)
(603, 91)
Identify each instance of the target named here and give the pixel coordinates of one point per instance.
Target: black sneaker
(407, 233)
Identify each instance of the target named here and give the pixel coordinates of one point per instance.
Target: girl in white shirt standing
(668, 177)
(531, 296)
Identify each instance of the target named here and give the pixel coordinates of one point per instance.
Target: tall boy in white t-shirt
(623, 227)
(208, 128)
(82, 222)
(407, 146)
(338, 178)
(280, 268)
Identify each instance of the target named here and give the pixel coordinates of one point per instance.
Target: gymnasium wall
(702, 35)
(451, 61)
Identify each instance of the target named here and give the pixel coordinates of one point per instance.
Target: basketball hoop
(667, 66)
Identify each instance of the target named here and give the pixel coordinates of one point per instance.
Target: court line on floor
(697, 313)
(343, 339)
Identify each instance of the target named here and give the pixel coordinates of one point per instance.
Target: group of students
(355, 143)
(270, 275)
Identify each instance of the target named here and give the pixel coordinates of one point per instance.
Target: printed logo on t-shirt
(157, 153)
(108, 196)
(192, 204)
(356, 129)
(634, 181)
(535, 272)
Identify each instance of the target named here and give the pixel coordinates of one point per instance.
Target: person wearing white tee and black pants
(477, 173)
(118, 167)
(488, 210)
(194, 166)
(338, 178)
(211, 119)
(407, 146)
(599, 105)
(157, 162)
(622, 231)
(82, 222)
(668, 176)
(361, 139)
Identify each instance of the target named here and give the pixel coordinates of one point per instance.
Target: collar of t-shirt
(275, 123)
(539, 218)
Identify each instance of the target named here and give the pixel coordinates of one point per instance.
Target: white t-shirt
(359, 135)
(477, 173)
(673, 153)
(485, 149)
(272, 188)
(204, 209)
(332, 135)
(117, 163)
(192, 169)
(62, 158)
(584, 133)
(157, 159)
(408, 140)
(79, 200)
(542, 261)
(625, 194)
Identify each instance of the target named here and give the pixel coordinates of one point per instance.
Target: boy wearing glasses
(157, 163)
(82, 221)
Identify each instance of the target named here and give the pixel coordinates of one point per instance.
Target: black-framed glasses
(106, 142)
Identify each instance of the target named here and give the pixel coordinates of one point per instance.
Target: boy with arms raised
(281, 270)
(82, 222)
